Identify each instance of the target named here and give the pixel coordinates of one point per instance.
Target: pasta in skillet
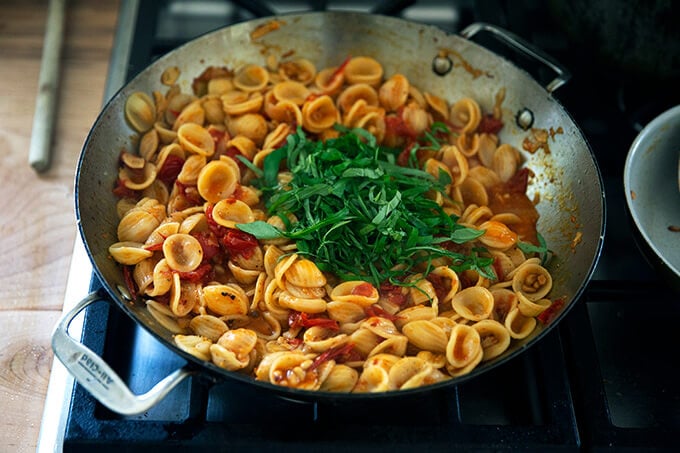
(335, 229)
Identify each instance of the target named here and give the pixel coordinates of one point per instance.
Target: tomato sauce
(511, 197)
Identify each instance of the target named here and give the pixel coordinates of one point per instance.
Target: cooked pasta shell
(487, 148)
(251, 125)
(474, 303)
(140, 111)
(353, 93)
(463, 347)
(195, 345)
(394, 92)
(505, 162)
(305, 305)
(497, 235)
(304, 273)
(286, 112)
(193, 223)
(251, 77)
(532, 280)
(426, 335)
(148, 145)
(239, 341)
(465, 115)
(196, 139)
(294, 370)
(329, 82)
(217, 180)
(531, 308)
(162, 314)
(162, 279)
(473, 192)
(494, 338)
(231, 211)
(383, 360)
(436, 167)
(278, 136)
(129, 253)
(396, 345)
(208, 326)
(165, 134)
(382, 327)
(437, 105)
(487, 177)
(475, 215)
(172, 149)
(299, 70)
(409, 372)
(244, 145)
(239, 102)
(176, 103)
(226, 300)
(341, 379)
(136, 226)
(456, 161)
(518, 325)
(191, 168)
(159, 235)
(241, 275)
(143, 273)
(214, 113)
(345, 312)
(320, 339)
(365, 341)
(422, 292)
(358, 292)
(468, 144)
(220, 85)
(271, 258)
(305, 292)
(319, 113)
(373, 379)
(363, 70)
(414, 313)
(291, 91)
(183, 252)
(158, 191)
(184, 296)
(416, 118)
(461, 371)
(192, 113)
(436, 360)
(503, 265)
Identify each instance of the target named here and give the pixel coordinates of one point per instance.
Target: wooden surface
(37, 220)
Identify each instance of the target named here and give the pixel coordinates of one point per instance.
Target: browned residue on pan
(266, 28)
(462, 62)
(633, 195)
(538, 139)
(674, 228)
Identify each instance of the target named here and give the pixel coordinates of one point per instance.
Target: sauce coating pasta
(330, 229)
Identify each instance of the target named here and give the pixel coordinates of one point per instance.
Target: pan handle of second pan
(97, 377)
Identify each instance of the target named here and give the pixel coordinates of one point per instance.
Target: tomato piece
(170, 169)
(549, 313)
(489, 124)
(376, 310)
(123, 192)
(130, 281)
(298, 319)
(341, 354)
(238, 242)
(209, 244)
(339, 70)
(393, 294)
(199, 275)
(363, 289)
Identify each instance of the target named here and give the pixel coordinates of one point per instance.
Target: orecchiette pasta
(266, 306)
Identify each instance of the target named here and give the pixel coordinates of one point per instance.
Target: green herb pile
(359, 214)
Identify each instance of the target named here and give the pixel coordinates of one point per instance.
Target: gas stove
(606, 378)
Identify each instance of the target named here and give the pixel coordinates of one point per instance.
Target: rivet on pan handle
(523, 46)
(98, 378)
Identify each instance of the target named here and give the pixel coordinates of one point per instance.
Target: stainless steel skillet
(567, 178)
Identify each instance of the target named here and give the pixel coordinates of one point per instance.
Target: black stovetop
(605, 378)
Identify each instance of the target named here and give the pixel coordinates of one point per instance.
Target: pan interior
(567, 179)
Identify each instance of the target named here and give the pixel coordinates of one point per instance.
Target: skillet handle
(97, 377)
(524, 47)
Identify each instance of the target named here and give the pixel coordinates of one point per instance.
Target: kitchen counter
(38, 229)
